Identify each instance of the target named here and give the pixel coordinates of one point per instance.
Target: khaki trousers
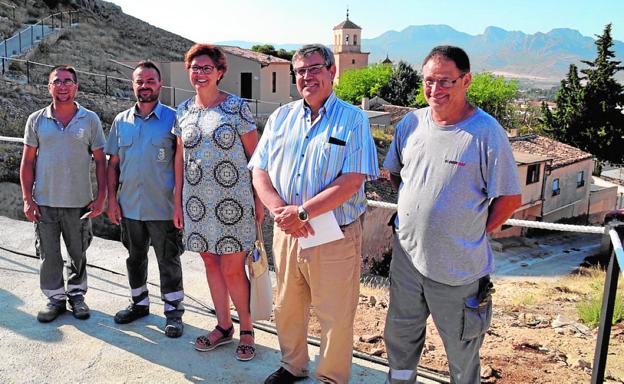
(326, 277)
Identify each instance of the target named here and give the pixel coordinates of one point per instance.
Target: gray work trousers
(456, 313)
(77, 236)
(136, 236)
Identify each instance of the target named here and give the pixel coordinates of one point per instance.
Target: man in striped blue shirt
(314, 157)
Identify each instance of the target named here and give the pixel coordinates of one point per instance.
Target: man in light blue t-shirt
(457, 180)
(59, 142)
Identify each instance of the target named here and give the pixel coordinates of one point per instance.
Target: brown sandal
(203, 344)
(245, 352)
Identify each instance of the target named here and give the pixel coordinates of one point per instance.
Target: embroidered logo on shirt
(80, 133)
(458, 163)
(161, 154)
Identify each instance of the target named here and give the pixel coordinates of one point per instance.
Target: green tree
(589, 108)
(269, 49)
(402, 86)
(491, 93)
(494, 95)
(364, 82)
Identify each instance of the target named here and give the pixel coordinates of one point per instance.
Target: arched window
(347, 39)
(354, 39)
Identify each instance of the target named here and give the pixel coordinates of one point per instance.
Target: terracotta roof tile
(397, 112)
(560, 153)
(262, 58)
(347, 24)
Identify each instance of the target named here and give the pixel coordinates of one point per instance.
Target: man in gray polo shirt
(140, 197)
(55, 175)
(457, 180)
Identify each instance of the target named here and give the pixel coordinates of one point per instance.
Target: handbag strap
(259, 233)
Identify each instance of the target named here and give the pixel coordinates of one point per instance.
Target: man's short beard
(147, 99)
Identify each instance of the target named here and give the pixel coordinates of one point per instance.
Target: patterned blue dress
(217, 196)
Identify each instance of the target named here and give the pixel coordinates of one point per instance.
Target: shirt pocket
(162, 149)
(331, 158)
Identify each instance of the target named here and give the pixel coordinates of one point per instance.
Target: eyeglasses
(312, 70)
(207, 69)
(444, 83)
(66, 82)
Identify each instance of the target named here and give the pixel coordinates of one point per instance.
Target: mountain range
(541, 58)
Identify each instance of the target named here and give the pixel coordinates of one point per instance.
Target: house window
(347, 39)
(533, 174)
(580, 179)
(352, 61)
(274, 82)
(354, 39)
(555, 187)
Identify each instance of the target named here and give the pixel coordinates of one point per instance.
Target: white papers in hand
(326, 229)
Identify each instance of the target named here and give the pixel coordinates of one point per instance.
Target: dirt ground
(535, 337)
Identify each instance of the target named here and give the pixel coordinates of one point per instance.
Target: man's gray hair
(310, 49)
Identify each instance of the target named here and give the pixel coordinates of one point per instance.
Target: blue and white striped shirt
(302, 157)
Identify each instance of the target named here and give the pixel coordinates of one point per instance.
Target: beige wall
(231, 82)
(600, 202)
(530, 192)
(282, 89)
(573, 200)
(344, 62)
(176, 75)
(340, 45)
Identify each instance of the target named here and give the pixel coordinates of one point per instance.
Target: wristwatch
(303, 215)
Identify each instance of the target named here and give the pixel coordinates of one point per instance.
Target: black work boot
(131, 313)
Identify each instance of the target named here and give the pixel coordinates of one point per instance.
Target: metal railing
(109, 85)
(614, 231)
(26, 38)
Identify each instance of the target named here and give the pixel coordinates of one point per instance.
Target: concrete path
(99, 351)
(552, 255)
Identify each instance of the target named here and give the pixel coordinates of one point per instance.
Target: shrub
(589, 311)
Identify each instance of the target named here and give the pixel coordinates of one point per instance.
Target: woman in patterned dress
(214, 199)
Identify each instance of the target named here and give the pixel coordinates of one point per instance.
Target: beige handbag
(261, 291)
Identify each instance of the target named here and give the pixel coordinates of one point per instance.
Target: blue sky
(283, 21)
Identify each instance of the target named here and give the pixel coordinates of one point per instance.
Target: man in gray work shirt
(140, 197)
(457, 181)
(55, 174)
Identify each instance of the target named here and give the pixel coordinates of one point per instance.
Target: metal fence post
(32, 37)
(256, 107)
(42, 32)
(19, 35)
(61, 17)
(174, 96)
(105, 85)
(606, 311)
(27, 72)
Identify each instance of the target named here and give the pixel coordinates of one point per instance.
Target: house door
(245, 91)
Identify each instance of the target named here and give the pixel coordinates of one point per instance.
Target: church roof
(347, 24)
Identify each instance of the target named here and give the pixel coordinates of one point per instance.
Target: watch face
(303, 215)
